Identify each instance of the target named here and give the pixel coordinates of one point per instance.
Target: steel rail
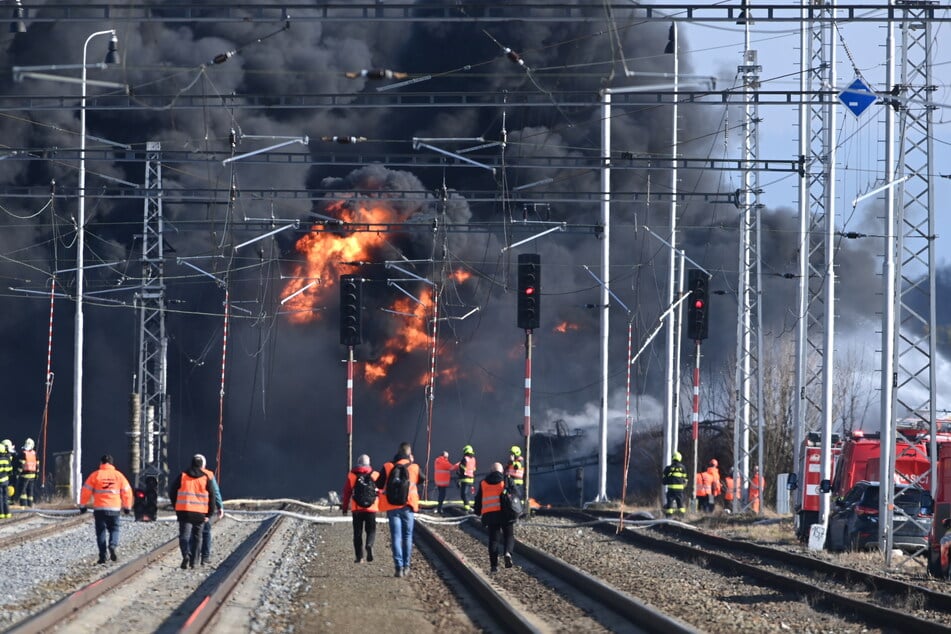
(58, 612)
(481, 12)
(200, 619)
(507, 617)
(37, 533)
(869, 613)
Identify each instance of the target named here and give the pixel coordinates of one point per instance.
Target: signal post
(528, 318)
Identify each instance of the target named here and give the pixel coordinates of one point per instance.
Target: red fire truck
(806, 484)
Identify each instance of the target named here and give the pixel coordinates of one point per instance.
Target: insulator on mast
(515, 57)
(343, 139)
(376, 73)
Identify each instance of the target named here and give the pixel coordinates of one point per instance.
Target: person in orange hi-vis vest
(501, 528)
(442, 475)
(729, 491)
(466, 470)
(364, 516)
(702, 490)
(194, 496)
(110, 492)
(29, 466)
(400, 513)
(716, 486)
(756, 489)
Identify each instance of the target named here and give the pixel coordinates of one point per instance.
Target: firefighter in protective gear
(109, 492)
(466, 468)
(5, 470)
(675, 479)
(515, 470)
(29, 466)
(756, 489)
(442, 475)
(193, 495)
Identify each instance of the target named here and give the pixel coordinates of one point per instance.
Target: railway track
(828, 588)
(15, 530)
(541, 593)
(140, 594)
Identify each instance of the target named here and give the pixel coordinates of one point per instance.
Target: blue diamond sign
(857, 97)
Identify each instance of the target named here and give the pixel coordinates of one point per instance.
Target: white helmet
(28, 444)
(9, 445)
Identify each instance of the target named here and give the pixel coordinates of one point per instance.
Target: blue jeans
(205, 540)
(107, 526)
(401, 535)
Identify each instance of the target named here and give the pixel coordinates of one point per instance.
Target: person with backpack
(497, 520)
(361, 497)
(399, 480)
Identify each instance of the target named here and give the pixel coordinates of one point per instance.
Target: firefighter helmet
(677, 457)
(467, 449)
(28, 444)
(515, 451)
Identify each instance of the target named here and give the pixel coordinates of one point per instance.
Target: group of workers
(708, 487)
(394, 489)
(194, 494)
(18, 470)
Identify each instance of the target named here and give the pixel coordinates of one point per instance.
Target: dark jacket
(494, 517)
(194, 472)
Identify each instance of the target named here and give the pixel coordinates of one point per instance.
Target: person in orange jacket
(488, 504)
(361, 487)
(401, 514)
(756, 489)
(442, 475)
(716, 486)
(466, 468)
(110, 493)
(194, 496)
(703, 485)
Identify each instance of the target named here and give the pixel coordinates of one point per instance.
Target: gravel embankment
(707, 600)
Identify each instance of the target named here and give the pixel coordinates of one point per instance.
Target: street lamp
(112, 57)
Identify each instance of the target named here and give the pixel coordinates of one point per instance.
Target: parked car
(853, 524)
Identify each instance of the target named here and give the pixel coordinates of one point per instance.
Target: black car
(853, 524)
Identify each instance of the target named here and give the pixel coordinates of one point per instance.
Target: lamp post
(112, 57)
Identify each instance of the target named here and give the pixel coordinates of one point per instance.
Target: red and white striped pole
(49, 383)
(221, 391)
(695, 416)
(527, 423)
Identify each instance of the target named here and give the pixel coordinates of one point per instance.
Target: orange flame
(566, 326)
(323, 250)
(461, 275)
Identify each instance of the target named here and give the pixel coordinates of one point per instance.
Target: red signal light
(698, 304)
(529, 290)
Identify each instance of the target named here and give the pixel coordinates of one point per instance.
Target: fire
(310, 289)
(323, 251)
(566, 326)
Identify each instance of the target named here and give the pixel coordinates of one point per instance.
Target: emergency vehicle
(938, 552)
(806, 484)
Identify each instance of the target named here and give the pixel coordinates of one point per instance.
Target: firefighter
(14, 472)
(442, 474)
(5, 470)
(675, 479)
(110, 492)
(29, 466)
(756, 489)
(466, 469)
(515, 470)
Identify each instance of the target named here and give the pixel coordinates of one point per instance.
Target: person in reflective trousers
(488, 504)
(192, 494)
(364, 517)
(442, 474)
(110, 492)
(5, 470)
(675, 479)
(466, 469)
(29, 466)
(515, 470)
(401, 517)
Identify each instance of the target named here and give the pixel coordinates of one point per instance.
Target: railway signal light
(351, 309)
(697, 305)
(529, 290)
